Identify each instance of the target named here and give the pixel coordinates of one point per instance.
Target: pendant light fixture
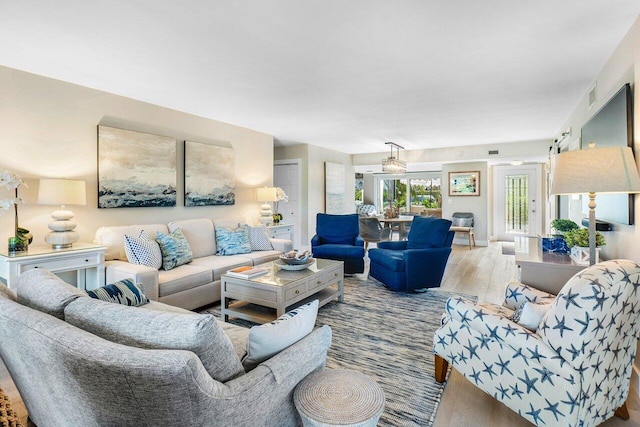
(393, 164)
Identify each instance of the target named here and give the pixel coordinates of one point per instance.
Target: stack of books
(247, 272)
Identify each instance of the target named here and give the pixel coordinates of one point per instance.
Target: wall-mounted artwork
(209, 175)
(464, 183)
(135, 169)
(334, 188)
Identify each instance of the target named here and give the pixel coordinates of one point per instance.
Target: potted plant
(563, 225)
(578, 241)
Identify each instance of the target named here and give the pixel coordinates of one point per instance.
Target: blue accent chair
(418, 262)
(338, 238)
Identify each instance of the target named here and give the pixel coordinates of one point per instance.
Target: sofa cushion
(259, 238)
(260, 257)
(44, 291)
(388, 258)
(143, 250)
(428, 232)
(182, 278)
(112, 237)
(233, 242)
(175, 249)
(199, 233)
(121, 292)
(152, 329)
(271, 338)
(219, 265)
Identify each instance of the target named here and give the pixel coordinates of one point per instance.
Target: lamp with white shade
(595, 170)
(266, 195)
(62, 192)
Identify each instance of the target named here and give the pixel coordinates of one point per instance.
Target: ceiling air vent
(493, 152)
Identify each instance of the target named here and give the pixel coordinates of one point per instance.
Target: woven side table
(339, 397)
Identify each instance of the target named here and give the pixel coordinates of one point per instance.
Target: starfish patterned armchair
(555, 360)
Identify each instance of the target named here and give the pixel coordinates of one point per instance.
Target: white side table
(86, 259)
(281, 230)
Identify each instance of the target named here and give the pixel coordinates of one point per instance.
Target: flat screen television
(612, 125)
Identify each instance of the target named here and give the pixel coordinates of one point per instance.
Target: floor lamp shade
(62, 192)
(595, 170)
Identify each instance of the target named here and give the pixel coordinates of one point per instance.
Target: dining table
(401, 222)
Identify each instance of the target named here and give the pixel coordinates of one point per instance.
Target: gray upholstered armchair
(572, 367)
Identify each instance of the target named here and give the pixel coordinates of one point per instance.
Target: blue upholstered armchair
(418, 262)
(338, 237)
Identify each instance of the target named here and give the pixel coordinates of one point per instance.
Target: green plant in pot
(580, 237)
(563, 225)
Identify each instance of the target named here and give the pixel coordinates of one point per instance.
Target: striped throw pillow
(123, 292)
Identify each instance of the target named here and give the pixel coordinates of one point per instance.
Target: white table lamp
(62, 192)
(266, 195)
(595, 170)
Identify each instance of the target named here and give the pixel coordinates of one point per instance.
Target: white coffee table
(264, 298)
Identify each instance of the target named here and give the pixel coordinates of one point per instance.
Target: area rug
(388, 336)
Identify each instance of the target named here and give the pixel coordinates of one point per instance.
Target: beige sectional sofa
(188, 286)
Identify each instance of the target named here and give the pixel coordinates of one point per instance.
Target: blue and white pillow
(259, 238)
(123, 292)
(143, 250)
(271, 338)
(233, 242)
(175, 249)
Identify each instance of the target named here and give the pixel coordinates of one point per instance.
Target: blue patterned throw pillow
(143, 250)
(233, 242)
(123, 292)
(175, 249)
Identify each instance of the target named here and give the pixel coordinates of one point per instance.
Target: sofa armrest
(286, 368)
(315, 241)
(518, 293)
(282, 245)
(400, 245)
(359, 241)
(425, 266)
(141, 274)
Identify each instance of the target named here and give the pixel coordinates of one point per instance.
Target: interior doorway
(516, 192)
(286, 175)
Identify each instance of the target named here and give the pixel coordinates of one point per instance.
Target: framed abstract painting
(464, 183)
(209, 174)
(135, 169)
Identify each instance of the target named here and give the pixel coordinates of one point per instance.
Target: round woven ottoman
(339, 397)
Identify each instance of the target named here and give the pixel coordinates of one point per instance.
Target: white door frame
(536, 205)
(297, 238)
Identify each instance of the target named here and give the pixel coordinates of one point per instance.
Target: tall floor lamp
(595, 170)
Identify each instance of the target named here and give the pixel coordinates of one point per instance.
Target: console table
(281, 230)
(546, 271)
(85, 259)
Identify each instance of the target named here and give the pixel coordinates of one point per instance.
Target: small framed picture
(464, 183)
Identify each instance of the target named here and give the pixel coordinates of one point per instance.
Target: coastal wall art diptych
(334, 188)
(135, 169)
(209, 174)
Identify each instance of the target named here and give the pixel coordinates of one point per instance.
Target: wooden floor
(483, 272)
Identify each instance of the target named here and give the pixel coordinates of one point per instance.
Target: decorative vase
(580, 255)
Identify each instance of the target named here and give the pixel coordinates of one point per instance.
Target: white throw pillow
(259, 238)
(271, 338)
(531, 314)
(143, 250)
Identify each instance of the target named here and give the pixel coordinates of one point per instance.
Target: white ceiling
(341, 74)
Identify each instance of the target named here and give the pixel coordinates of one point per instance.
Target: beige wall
(312, 165)
(478, 205)
(48, 129)
(622, 67)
